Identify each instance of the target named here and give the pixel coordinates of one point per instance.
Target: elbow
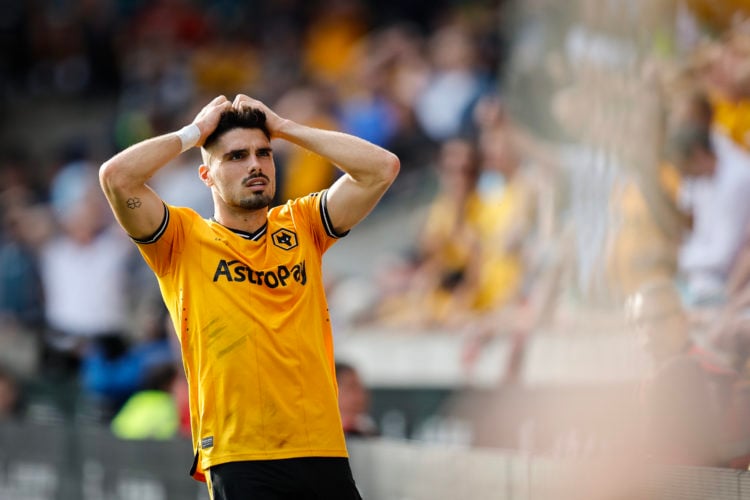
(392, 167)
(107, 175)
(111, 176)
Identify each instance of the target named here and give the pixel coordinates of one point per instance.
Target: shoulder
(177, 220)
(311, 200)
(184, 212)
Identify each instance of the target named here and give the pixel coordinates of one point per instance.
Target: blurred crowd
(575, 158)
(82, 322)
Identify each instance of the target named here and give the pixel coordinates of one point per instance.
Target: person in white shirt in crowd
(84, 269)
(717, 180)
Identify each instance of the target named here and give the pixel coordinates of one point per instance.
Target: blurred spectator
(302, 172)
(24, 221)
(84, 273)
(331, 37)
(507, 220)
(114, 368)
(216, 70)
(21, 297)
(647, 223)
(11, 404)
(422, 296)
(354, 402)
(170, 22)
(717, 17)
(150, 413)
(515, 271)
(100, 26)
(714, 193)
(650, 228)
(454, 84)
(687, 397)
(393, 69)
(71, 48)
(723, 70)
(366, 103)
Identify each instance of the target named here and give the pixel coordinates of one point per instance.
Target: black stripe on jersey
(254, 236)
(327, 224)
(158, 233)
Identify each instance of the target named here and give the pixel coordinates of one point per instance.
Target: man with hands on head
(245, 293)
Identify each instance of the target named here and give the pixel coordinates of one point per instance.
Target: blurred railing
(40, 462)
(83, 463)
(435, 358)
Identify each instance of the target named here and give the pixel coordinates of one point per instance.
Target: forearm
(363, 161)
(135, 165)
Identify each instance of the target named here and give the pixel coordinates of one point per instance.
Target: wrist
(284, 129)
(189, 136)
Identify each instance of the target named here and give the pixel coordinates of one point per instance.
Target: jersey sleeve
(313, 212)
(161, 249)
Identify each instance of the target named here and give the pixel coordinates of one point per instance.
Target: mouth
(256, 183)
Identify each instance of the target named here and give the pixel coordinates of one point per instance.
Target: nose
(253, 164)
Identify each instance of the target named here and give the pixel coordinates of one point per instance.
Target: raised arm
(368, 169)
(138, 209)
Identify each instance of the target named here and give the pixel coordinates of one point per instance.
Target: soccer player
(245, 293)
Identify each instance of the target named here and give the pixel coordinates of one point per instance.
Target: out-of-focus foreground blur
(553, 301)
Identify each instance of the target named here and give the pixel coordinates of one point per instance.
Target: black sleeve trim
(327, 224)
(154, 237)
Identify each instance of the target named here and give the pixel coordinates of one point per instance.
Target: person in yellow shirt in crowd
(507, 219)
(446, 246)
(304, 172)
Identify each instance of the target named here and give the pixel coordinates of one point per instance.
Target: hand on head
(208, 118)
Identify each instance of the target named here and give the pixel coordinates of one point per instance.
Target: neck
(244, 220)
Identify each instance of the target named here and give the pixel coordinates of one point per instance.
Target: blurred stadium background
(501, 362)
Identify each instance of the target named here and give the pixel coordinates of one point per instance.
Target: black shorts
(309, 478)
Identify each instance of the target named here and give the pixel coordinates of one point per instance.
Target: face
(498, 152)
(700, 164)
(239, 169)
(8, 397)
(353, 397)
(457, 168)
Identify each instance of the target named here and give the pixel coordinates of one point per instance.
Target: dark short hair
(235, 118)
(160, 376)
(686, 140)
(343, 367)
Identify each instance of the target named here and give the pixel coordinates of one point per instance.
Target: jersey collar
(254, 236)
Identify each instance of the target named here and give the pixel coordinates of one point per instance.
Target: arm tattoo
(134, 203)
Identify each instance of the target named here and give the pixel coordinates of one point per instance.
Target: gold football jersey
(252, 319)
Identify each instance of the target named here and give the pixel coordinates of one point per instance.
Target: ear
(205, 174)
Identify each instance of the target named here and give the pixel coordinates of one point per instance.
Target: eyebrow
(233, 152)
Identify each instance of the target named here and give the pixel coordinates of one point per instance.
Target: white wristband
(189, 136)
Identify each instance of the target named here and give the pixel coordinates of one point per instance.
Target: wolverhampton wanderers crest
(284, 239)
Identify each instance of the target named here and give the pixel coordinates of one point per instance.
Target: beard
(256, 201)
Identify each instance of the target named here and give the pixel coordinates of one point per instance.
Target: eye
(237, 155)
(264, 152)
